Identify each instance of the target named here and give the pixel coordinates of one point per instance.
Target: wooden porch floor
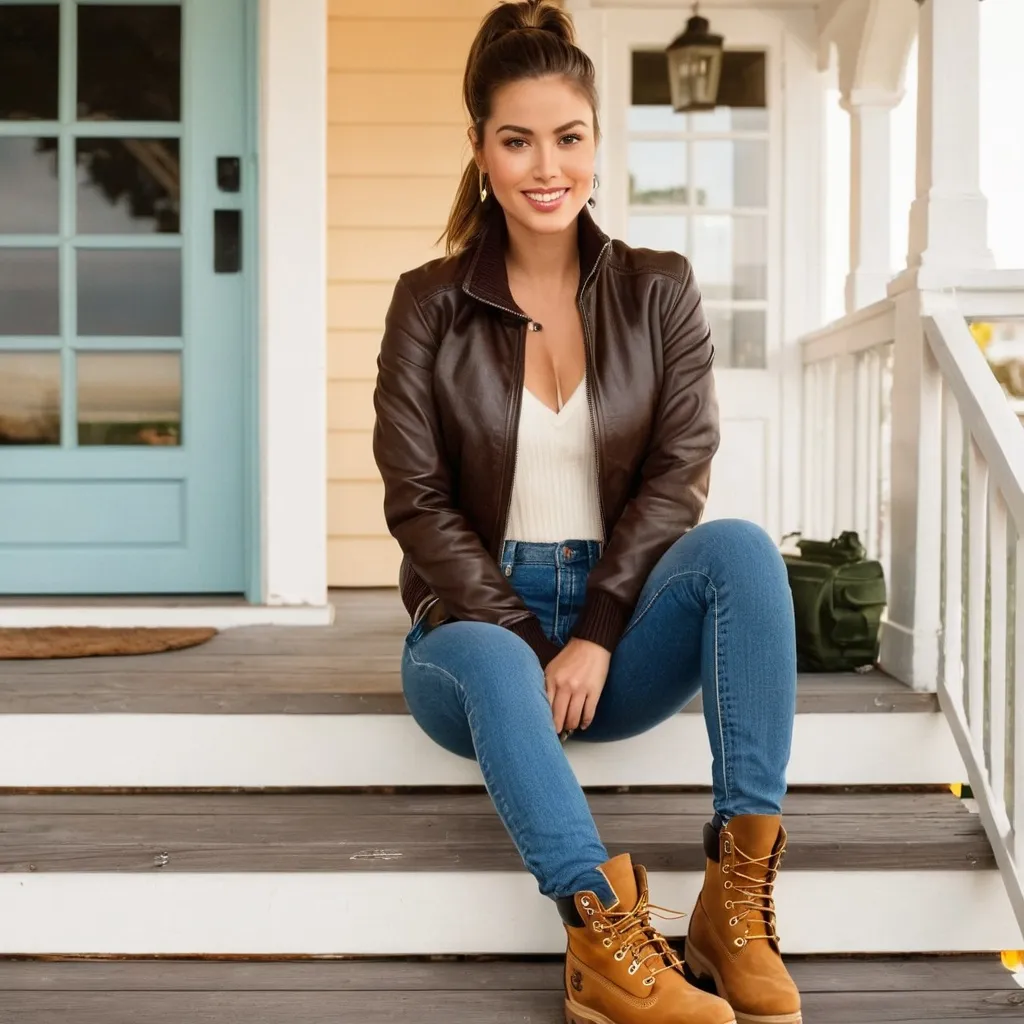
(835, 991)
(350, 667)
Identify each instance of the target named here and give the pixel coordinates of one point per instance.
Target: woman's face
(538, 152)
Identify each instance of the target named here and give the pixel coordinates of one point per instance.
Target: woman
(546, 420)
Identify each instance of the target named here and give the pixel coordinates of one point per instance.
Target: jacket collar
(487, 278)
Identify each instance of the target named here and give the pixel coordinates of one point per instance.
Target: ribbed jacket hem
(602, 621)
(530, 630)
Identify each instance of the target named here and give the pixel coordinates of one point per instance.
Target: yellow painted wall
(396, 147)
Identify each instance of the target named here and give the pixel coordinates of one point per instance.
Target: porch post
(870, 195)
(948, 219)
(948, 235)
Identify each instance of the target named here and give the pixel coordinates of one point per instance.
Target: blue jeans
(715, 616)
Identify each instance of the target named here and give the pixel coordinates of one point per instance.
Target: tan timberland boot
(732, 938)
(618, 967)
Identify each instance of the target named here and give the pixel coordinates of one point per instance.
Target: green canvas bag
(838, 599)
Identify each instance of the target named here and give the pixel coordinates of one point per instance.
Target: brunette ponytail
(517, 40)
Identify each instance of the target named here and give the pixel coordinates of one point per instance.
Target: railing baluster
(977, 502)
(997, 651)
(952, 626)
(873, 446)
(1017, 742)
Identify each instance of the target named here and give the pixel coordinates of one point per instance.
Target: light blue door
(126, 313)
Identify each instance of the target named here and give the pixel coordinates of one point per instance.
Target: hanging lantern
(695, 66)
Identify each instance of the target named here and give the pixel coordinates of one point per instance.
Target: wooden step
(289, 706)
(834, 991)
(382, 873)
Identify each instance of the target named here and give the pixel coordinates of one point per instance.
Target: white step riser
(87, 750)
(388, 913)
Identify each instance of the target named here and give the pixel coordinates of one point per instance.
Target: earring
(483, 187)
(592, 202)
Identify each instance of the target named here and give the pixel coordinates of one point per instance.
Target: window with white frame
(698, 184)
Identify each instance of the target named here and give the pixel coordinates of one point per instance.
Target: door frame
(796, 225)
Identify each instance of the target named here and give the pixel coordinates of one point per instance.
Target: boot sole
(575, 1014)
(704, 970)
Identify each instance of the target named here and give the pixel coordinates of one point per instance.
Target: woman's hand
(573, 682)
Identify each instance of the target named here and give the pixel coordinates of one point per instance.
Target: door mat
(91, 642)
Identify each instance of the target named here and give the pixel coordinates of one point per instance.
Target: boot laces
(637, 935)
(758, 904)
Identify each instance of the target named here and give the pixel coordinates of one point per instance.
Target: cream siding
(396, 146)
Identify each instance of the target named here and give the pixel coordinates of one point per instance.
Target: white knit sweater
(554, 497)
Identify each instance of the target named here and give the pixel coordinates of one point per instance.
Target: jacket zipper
(587, 362)
(497, 544)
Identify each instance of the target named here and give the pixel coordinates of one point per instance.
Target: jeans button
(508, 570)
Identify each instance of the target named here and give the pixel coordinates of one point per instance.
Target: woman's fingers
(560, 706)
(574, 714)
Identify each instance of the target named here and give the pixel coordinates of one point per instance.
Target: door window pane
(129, 62)
(29, 62)
(657, 173)
(128, 186)
(739, 337)
(663, 233)
(730, 257)
(29, 197)
(126, 292)
(730, 173)
(29, 291)
(29, 398)
(129, 398)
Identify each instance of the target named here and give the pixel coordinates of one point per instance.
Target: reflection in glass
(730, 119)
(29, 398)
(29, 62)
(730, 173)
(663, 233)
(129, 292)
(29, 291)
(129, 62)
(739, 337)
(657, 173)
(29, 197)
(129, 398)
(730, 256)
(128, 186)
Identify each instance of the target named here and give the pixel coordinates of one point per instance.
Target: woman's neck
(551, 259)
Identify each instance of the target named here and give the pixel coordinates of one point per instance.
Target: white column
(948, 235)
(870, 196)
(948, 219)
(293, 78)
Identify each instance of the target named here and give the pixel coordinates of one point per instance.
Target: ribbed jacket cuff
(602, 621)
(530, 630)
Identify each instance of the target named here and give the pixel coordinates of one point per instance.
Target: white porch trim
(355, 912)
(293, 206)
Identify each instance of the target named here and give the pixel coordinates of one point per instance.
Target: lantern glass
(695, 72)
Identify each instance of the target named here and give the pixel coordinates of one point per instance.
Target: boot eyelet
(620, 954)
(607, 943)
(633, 968)
(726, 846)
(598, 926)
(585, 901)
(739, 942)
(727, 884)
(648, 981)
(728, 904)
(733, 921)
(725, 869)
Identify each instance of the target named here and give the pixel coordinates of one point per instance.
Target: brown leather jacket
(448, 397)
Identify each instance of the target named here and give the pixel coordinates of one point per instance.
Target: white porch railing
(978, 443)
(847, 390)
(981, 674)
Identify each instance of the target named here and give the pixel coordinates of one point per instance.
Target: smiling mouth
(546, 197)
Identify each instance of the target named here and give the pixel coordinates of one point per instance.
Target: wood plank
(362, 561)
(359, 307)
(427, 44)
(465, 1007)
(397, 96)
(364, 150)
(352, 355)
(380, 253)
(813, 974)
(400, 8)
(396, 201)
(355, 508)
(349, 667)
(350, 405)
(365, 837)
(350, 456)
